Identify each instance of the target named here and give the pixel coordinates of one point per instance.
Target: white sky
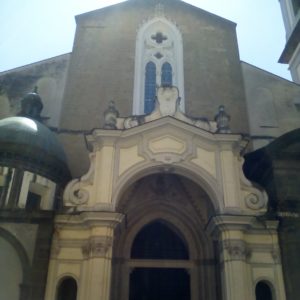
(33, 30)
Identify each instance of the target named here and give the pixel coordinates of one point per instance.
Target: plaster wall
(272, 104)
(48, 75)
(103, 62)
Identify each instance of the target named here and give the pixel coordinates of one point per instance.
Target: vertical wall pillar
(97, 251)
(234, 268)
(249, 253)
(82, 249)
(233, 255)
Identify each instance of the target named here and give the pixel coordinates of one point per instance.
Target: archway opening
(159, 241)
(159, 284)
(67, 289)
(263, 291)
(162, 250)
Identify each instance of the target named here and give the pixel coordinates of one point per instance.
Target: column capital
(222, 223)
(97, 246)
(235, 250)
(226, 223)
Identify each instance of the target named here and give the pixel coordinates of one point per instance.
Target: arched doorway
(162, 250)
(159, 248)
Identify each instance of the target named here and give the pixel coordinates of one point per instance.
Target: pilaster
(249, 253)
(82, 249)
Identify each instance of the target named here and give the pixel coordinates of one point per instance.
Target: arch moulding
(121, 157)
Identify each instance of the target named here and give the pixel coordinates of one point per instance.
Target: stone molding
(55, 249)
(87, 220)
(96, 247)
(236, 249)
(120, 155)
(75, 193)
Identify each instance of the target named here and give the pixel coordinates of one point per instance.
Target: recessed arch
(264, 290)
(18, 268)
(168, 199)
(66, 288)
(159, 240)
(195, 174)
(166, 214)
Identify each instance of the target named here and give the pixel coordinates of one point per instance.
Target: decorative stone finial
(222, 119)
(32, 105)
(110, 116)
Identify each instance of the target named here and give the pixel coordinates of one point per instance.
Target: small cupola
(32, 160)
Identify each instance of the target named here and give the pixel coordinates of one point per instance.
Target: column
(235, 277)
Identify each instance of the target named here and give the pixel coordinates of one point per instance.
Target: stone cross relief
(159, 37)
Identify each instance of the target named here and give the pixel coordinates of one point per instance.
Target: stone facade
(158, 197)
(273, 105)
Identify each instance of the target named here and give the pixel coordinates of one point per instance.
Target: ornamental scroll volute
(255, 198)
(77, 191)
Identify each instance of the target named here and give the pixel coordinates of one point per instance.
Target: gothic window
(166, 74)
(158, 61)
(263, 291)
(67, 289)
(150, 87)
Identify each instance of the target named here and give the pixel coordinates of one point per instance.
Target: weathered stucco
(48, 75)
(272, 105)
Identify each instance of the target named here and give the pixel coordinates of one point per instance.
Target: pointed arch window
(150, 87)
(158, 241)
(166, 74)
(158, 61)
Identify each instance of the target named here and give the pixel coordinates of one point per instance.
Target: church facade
(168, 168)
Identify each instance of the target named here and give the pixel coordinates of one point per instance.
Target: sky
(33, 30)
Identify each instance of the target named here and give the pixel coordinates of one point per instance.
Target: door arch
(164, 208)
(160, 263)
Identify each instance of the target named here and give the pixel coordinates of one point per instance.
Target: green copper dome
(28, 144)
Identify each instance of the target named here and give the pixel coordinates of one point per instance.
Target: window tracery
(158, 61)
